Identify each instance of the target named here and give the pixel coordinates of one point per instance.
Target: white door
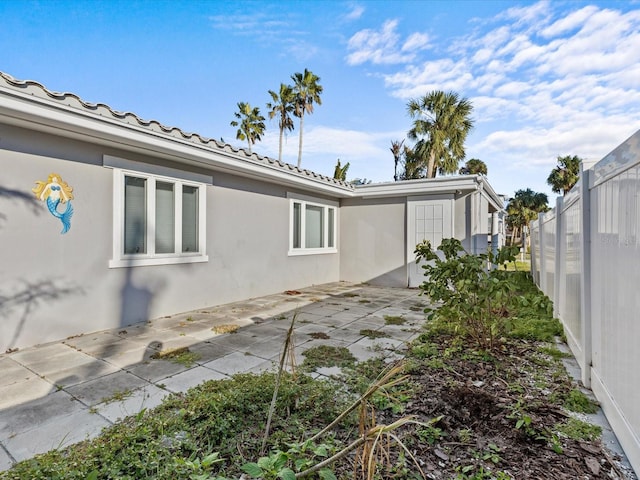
(428, 220)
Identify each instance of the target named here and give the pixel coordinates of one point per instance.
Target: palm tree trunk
(300, 141)
(431, 166)
(280, 146)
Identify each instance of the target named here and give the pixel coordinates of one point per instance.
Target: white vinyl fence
(585, 255)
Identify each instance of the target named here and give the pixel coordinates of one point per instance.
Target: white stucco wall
(373, 238)
(53, 286)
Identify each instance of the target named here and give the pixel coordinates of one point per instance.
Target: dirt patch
(500, 416)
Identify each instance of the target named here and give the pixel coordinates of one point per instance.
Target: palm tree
(565, 175)
(340, 172)
(282, 107)
(474, 166)
(523, 208)
(441, 122)
(251, 125)
(412, 165)
(396, 151)
(307, 90)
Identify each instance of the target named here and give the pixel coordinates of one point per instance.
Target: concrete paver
(60, 393)
(148, 396)
(5, 460)
(190, 378)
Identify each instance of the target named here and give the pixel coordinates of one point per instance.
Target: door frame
(414, 271)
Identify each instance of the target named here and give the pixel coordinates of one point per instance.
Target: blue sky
(546, 78)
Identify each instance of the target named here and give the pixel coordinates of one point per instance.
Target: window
(312, 227)
(157, 220)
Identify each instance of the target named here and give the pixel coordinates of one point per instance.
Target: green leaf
(279, 461)
(326, 474)
(321, 451)
(286, 474)
(92, 475)
(252, 469)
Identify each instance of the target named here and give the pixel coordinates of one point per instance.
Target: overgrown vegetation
(482, 395)
(480, 303)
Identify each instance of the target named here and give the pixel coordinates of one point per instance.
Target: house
(107, 219)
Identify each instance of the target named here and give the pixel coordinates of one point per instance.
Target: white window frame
(121, 259)
(326, 206)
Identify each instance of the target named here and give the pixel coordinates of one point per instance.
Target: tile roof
(31, 87)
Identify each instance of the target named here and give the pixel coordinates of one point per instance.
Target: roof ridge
(100, 109)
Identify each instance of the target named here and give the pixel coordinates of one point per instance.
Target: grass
(182, 356)
(225, 328)
(373, 333)
(327, 356)
(579, 430)
(577, 401)
(174, 439)
(394, 320)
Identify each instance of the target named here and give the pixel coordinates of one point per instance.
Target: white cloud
(568, 23)
(545, 80)
(416, 41)
(382, 46)
(355, 13)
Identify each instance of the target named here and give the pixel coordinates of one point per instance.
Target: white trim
(304, 200)
(120, 259)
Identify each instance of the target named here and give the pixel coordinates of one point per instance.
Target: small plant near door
(475, 299)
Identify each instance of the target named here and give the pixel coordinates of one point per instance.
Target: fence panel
(569, 300)
(615, 300)
(591, 271)
(548, 253)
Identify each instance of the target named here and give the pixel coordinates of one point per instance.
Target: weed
(430, 434)
(225, 328)
(319, 336)
(117, 396)
(577, 401)
(394, 320)
(464, 435)
(327, 356)
(492, 454)
(554, 352)
(578, 430)
(373, 333)
(182, 356)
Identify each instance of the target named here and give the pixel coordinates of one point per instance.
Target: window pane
(135, 215)
(165, 218)
(314, 228)
(297, 225)
(331, 227)
(189, 219)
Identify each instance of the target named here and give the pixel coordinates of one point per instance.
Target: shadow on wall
(29, 297)
(20, 197)
(136, 299)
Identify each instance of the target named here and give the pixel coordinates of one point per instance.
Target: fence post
(543, 269)
(558, 283)
(585, 283)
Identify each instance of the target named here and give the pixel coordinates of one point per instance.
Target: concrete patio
(60, 393)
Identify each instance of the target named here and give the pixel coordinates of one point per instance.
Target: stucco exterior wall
(53, 286)
(373, 239)
(462, 220)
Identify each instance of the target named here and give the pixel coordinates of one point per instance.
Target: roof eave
(59, 119)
